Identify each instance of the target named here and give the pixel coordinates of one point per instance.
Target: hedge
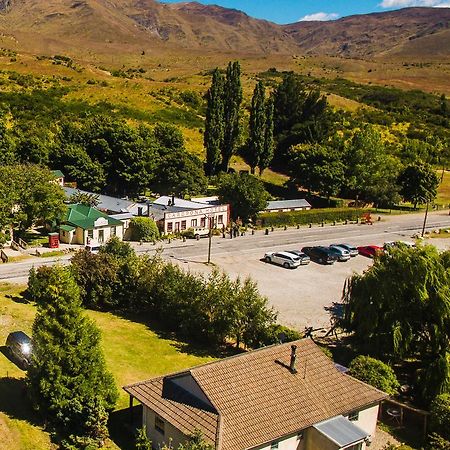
(293, 218)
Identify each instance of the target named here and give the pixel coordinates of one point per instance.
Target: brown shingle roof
(259, 400)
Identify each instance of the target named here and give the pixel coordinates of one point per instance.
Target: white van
(92, 248)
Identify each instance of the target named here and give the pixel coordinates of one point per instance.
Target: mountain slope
(121, 25)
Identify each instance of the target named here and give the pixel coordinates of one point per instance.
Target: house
(288, 397)
(84, 225)
(287, 205)
(58, 177)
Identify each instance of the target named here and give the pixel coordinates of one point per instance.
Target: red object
(370, 250)
(53, 240)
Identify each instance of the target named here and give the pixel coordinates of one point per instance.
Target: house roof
(57, 174)
(84, 217)
(341, 431)
(288, 204)
(257, 398)
(180, 203)
(67, 227)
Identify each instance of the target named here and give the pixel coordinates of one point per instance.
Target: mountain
(119, 26)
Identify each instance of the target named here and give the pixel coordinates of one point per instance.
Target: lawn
(133, 352)
(443, 197)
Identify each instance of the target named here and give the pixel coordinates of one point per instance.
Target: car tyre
(197, 236)
(267, 259)
(320, 261)
(286, 265)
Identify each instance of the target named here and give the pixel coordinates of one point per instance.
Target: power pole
(209, 239)
(425, 219)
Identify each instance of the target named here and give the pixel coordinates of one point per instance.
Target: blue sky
(288, 11)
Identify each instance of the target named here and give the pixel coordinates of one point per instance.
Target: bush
(374, 372)
(440, 416)
(276, 333)
(143, 229)
(310, 216)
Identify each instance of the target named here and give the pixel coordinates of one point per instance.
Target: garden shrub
(143, 229)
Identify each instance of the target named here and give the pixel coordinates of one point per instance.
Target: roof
(67, 227)
(341, 431)
(180, 203)
(287, 204)
(84, 216)
(57, 174)
(122, 216)
(244, 388)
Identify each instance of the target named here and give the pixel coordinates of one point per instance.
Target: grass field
(443, 197)
(132, 351)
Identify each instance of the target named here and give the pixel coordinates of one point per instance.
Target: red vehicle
(370, 250)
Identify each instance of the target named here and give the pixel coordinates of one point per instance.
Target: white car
(285, 259)
(92, 248)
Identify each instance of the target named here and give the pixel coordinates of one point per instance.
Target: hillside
(120, 26)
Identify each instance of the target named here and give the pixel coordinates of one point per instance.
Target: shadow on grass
(123, 425)
(14, 401)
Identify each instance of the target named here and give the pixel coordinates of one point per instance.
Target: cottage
(289, 396)
(58, 177)
(287, 205)
(85, 225)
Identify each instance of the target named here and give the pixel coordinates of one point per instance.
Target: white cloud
(406, 3)
(320, 17)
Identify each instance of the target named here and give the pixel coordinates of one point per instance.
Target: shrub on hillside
(143, 229)
(374, 372)
(440, 416)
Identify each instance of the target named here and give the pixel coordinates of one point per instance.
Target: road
(301, 296)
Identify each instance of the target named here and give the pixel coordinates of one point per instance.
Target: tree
(374, 372)
(144, 229)
(245, 194)
(85, 198)
(317, 168)
(440, 416)
(267, 155)
(214, 124)
(418, 183)
(257, 127)
(232, 106)
(142, 441)
(68, 381)
(7, 145)
(400, 308)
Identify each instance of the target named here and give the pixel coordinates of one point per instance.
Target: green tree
(68, 381)
(317, 168)
(144, 229)
(232, 107)
(418, 183)
(269, 144)
(257, 127)
(440, 416)
(85, 198)
(245, 194)
(400, 308)
(374, 372)
(7, 145)
(214, 124)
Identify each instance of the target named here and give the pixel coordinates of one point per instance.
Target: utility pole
(209, 238)
(425, 219)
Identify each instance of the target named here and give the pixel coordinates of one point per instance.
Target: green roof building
(87, 225)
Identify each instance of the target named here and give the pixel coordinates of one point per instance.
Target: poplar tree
(269, 143)
(232, 105)
(214, 125)
(68, 381)
(257, 125)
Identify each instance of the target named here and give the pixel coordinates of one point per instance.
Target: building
(288, 397)
(86, 225)
(58, 177)
(287, 205)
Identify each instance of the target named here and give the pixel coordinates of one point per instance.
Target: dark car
(350, 248)
(304, 258)
(321, 255)
(18, 345)
(370, 250)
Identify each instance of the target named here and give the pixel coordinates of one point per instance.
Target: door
(101, 236)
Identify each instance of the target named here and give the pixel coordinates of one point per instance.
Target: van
(92, 248)
(18, 345)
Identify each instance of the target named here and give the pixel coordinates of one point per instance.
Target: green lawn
(443, 197)
(133, 352)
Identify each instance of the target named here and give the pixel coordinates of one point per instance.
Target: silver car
(304, 258)
(350, 248)
(341, 253)
(285, 259)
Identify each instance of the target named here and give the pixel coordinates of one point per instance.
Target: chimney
(293, 358)
(173, 200)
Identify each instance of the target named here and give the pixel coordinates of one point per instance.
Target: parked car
(341, 253)
(285, 259)
(322, 255)
(370, 250)
(391, 244)
(18, 345)
(304, 258)
(92, 248)
(350, 248)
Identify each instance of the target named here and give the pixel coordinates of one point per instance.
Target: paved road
(301, 296)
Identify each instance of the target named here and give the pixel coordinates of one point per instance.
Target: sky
(289, 11)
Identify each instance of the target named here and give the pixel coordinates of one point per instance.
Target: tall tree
(232, 107)
(269, 143)
(214, 125)
(257, 127)
(418, 183)
(68, 381)
(7, 144)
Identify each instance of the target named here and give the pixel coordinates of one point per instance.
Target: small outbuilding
(287, 205)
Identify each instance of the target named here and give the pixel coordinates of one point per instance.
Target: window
(193, 223)
(183, 224)
(353, 416)
(203, 222)
(113, 231)
(159, 425)
(91, 234)
(220, 220)
(169, 227)
(273, 445)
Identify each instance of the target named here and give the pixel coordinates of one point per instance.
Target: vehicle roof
(286, 253)
(20, 336)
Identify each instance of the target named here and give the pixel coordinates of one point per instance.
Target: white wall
(367, 419)
(287, 443)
